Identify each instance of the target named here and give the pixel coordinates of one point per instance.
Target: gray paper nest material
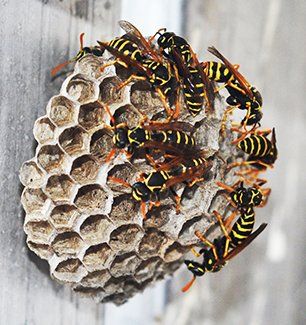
(92, 233)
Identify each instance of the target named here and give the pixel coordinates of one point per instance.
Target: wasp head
(120, 138)
(196, 268)
(141, 192)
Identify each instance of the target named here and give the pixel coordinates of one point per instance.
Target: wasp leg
(194, 252)
(110, 155)
(196, 180)
(228, 221)
(266, 193)
(110, 63)
(129, 80)
(246, 163)
(208, 243)
(107, 109)
(226, 113)
(164, 101)
(119, 181)
(225, 187)
(223, 228)
(143, 207)
(141, 177)
(244, 134)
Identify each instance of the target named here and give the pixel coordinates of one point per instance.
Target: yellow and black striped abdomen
(243, 227)
(189, 166)
(127, 48)
(194, 91)
(255, 145)
(180, 139)
(217, 72)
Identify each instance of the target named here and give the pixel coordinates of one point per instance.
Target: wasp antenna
(188, 285)
(59, 67)
(81, 41)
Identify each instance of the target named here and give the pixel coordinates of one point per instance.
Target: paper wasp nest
(92, 232)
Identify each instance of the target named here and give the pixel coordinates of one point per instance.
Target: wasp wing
(242, 81)
(244, 244)
(126, 59)
(135, 35)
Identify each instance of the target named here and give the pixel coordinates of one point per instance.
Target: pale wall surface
(35, 37)
(266, 284)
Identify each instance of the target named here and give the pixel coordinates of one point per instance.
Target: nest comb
(91, 231)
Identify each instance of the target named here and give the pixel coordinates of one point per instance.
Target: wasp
(168, 137)
(134, 51)
(241, 93)
(224, 248)
(94, 50)
(150, 186)
(261, 150)
(173, 45)
(196, 85)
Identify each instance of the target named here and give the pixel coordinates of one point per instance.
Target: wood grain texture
(35, 37)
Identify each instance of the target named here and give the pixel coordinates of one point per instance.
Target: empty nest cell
(123, 171)
(51, 158)
(44, 251)
(125, 264)
(81, 89)
(109, 90)
(44, 130)
(124, 209)
(31, 175)
(39, 231)
(151, 243)
(73, 140)
(33, 199)
(98, 257)
(90, 65)
(91, 115)
(63, 216)
(175, 252)
(59, 187)
(96, 279)
(62, 111)
(145, 100)
(101, 144)
(67, 243)
(147, 269)
(70, 270)
(128, 115)
(96, 229)
(125, 238)
(157, 217)
(91, 198)
(84, 169)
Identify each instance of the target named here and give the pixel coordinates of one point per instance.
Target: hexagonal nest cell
(91, 230)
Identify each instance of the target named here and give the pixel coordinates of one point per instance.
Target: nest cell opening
(62, 111)
(51, 157)
(96, 228)
(84, 169)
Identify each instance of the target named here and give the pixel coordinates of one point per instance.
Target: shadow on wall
(77, 8)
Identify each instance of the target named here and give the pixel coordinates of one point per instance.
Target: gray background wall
(265, 284)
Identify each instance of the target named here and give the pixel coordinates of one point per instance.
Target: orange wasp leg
(207, 242)
(223, 228)
(129, 80)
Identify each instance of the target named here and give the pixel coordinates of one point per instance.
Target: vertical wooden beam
(35, 37)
